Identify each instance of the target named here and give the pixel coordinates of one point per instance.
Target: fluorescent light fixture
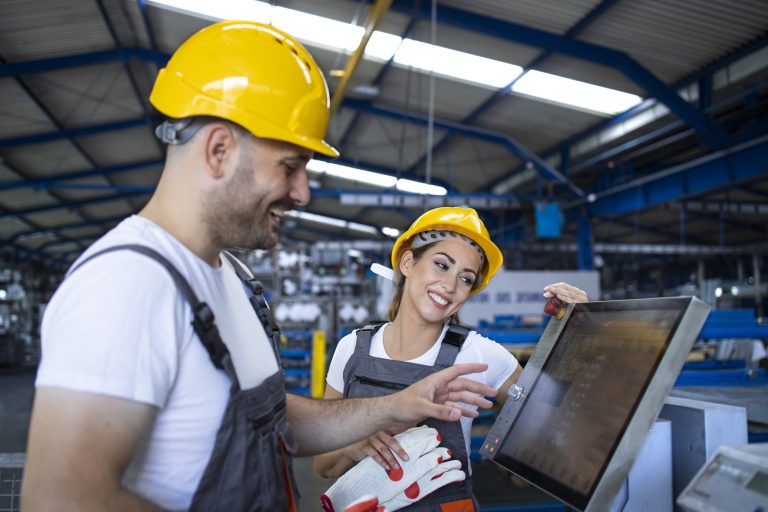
(455, 64)
(354, 253)
(420, 188)
(575, 93)
(375, 179)
(390, 232)
(363, 228)
(351, 173)
(332, 221)
(221, 10)
(382, 45)
(340, 36)
(718, 292)
(317, 30)
(734, 290)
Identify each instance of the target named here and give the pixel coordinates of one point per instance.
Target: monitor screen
(582, 400)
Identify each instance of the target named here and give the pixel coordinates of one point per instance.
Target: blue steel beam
(637, 141)
(657, 230)
(481, 133)
(713, 134)
(699, 176)
(376, 81)
(55, 229)
(74, 132)
(29, 254)
(99, 171)
(82, 60)
(127, 68)
(537, 61)
(59, 126)
(145, 19)
(71, 204)
(4, 212)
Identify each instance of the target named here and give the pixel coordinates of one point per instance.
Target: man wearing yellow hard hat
(159, 386)
(442, 259)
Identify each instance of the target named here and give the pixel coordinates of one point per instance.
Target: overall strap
(364, 336)
(258, 302)
(203, 318)
(452, 341)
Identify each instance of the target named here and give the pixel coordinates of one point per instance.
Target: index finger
(458, 370)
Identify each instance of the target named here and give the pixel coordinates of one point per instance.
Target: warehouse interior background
(625, 141)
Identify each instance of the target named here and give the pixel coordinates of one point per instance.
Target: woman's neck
(406, 339)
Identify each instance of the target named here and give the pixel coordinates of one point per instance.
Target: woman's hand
(566, 293)
(379, 447)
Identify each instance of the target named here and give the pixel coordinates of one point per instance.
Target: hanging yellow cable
(378, 11)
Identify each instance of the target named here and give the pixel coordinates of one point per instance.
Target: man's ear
(220, 146)
(406, 263)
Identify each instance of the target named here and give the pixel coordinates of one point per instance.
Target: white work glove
(368, 477)
(367, 503)
(446, 473)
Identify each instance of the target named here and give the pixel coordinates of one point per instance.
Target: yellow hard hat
(251, 74)
(463, 221)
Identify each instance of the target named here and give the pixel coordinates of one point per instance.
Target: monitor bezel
(644, 410)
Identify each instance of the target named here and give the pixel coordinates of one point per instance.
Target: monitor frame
(630, 440)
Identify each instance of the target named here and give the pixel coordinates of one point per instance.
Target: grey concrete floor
(16, 392)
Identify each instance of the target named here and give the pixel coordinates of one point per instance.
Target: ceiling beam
(375, 16)
(48, 181)
(537, 61)
(707, 174)
(82, 60)
(710, 132)
(71, 133)
(504, 139)
(657, 249)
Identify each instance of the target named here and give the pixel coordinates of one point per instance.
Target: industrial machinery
(735, 478)
(576, 420)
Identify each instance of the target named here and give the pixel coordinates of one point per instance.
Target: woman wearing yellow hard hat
(443, 258)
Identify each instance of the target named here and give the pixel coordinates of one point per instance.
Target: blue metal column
(585, 243)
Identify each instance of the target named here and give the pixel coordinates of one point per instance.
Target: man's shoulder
(105, 260)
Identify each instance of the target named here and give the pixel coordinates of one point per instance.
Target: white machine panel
(734, 479)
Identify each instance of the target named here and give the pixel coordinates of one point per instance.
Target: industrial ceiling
(682, 172)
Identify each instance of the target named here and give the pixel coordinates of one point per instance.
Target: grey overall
(250, 468)
(366, 376)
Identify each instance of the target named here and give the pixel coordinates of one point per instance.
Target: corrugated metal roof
(555, 16)
(673, 38)
(32, 30)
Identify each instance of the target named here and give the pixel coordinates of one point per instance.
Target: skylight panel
(221, 10)
(455, 64)
(332, 221)
(575, 93)
(351, 173)
(318, 30)
(417, 187)
(390, 232)
(340, 36)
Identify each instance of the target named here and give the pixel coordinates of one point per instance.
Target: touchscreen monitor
(584, 386)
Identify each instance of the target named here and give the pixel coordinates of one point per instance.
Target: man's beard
(237, 216)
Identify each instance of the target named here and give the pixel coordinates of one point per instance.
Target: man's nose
(300, 188)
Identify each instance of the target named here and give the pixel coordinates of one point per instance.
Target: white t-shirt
(119, 326)
(476, 349)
